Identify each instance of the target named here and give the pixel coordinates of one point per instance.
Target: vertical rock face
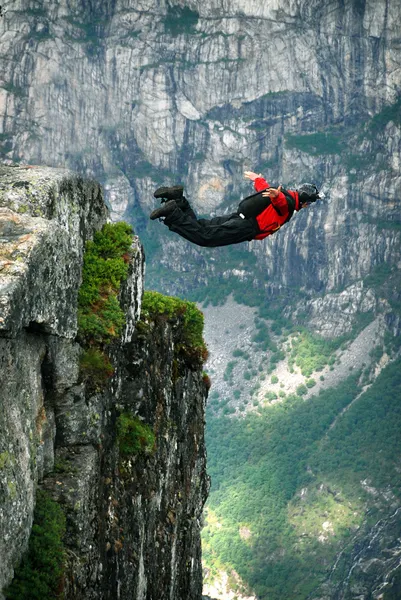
(45, 218)
(132, 521)
(163, 494)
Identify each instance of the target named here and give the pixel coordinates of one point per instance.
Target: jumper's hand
(251, 175)
(272, 192)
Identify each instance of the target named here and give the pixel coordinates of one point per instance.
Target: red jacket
(275, 215)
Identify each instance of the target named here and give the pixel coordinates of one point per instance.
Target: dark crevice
(47, 372)
(37, 328)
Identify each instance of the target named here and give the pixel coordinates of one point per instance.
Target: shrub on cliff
(100, 317)
(39, 576)
(134, 437)
(96, 366)
(156, 305)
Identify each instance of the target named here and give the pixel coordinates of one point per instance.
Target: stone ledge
(46, 216)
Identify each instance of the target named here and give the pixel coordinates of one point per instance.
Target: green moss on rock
(39, 576)
(100, 316)
(106, 260)
(157, 306)
(5, 460)
(134, 436)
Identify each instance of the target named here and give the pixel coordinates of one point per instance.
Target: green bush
(134, 436)
(274, 379)
(301, 390)
(156, 305)
(237, 353)
(262, 336)
(39, 576)
(96, 367)
(100, 317)
(229, 369)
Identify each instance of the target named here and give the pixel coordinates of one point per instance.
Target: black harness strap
(291, 204)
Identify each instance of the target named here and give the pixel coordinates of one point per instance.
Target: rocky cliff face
(133, 520)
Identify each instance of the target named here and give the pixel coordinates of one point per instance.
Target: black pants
(220, 231)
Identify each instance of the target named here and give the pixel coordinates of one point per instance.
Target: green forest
(287, 494)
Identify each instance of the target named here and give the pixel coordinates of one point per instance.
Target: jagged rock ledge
(133, 521)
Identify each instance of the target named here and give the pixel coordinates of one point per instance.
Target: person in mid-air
(257, 216)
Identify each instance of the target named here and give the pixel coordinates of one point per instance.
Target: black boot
(165, 210)
(169, 193)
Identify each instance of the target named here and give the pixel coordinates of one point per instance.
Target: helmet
(308, 192)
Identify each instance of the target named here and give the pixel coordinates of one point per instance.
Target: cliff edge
(124, 458)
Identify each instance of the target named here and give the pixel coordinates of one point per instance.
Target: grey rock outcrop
(133, 528)
(41, 261)
(46, 215)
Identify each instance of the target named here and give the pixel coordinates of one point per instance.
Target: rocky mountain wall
(140, 94)
(133, 519)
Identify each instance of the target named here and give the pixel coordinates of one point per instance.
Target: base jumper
(258, 216)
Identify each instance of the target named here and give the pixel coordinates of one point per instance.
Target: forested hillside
(299, 486)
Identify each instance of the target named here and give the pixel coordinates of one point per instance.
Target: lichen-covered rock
(45, 218)
(23, 425)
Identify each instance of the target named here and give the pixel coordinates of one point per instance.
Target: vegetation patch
(312, 353)
(355, 144)
(315, 143)
(388, 113)
(40, 574)
(106, 260)
(157, 306)
(100, 316)
(96, 366)
(134, 436)
(206, 380)
(181, 19)
(290, 476)
(323, 513)
(5, 460)
(237, 353)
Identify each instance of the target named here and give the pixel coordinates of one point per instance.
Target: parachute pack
(254, 205)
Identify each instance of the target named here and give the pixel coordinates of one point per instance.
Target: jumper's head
(308, 193)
